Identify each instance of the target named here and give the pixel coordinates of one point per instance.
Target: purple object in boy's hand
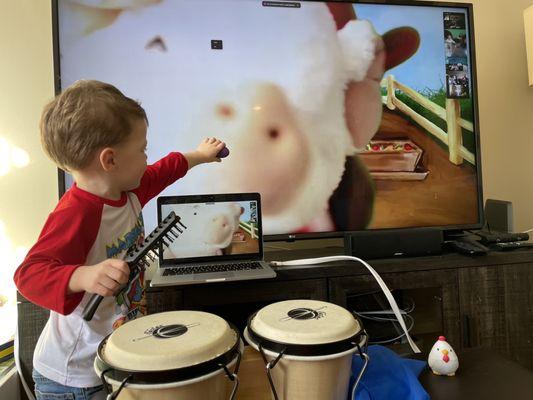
(223, 153)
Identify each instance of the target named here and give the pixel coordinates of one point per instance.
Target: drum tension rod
(233, 375)
(269, 366)
(109, 388)
(364, 356)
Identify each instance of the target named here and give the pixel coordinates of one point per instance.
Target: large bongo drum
(173, 355)
(307, 347)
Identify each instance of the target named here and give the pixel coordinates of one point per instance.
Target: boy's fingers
(103, 290)
(109, 283)
(120, 265)
(118, 275)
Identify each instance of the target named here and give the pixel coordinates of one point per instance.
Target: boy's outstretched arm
(173, 167)
(206, 152)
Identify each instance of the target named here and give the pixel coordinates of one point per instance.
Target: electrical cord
(377, 277)
(411, 323)
(376, 316)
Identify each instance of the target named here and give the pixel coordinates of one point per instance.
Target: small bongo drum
(173, 355)
(307, 347)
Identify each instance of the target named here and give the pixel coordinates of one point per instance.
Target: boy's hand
(206, 152)
(105, 278)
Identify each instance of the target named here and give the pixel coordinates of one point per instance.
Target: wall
(26, 82)
(28, 180)
(505, 105)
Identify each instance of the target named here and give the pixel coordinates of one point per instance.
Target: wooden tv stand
(473, 301)
(482, 301)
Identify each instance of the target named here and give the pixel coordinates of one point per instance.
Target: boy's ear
(107, 159)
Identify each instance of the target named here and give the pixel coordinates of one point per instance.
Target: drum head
(308, 326)
(167, 341)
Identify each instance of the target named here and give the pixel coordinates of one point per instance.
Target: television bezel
(339, 234)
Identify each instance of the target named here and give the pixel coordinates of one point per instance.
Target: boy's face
(131, 157)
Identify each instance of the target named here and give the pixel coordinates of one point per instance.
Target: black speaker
(394, 242)
(499, 215)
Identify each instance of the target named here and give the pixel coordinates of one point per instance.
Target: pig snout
(221, 231)
(270, 154)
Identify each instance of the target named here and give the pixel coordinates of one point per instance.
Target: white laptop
(222, 240)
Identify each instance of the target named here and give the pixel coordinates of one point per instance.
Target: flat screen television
(345, 116)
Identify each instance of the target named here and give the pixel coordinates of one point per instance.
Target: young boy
(99, 135)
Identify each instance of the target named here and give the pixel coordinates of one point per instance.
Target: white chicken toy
(442, 358)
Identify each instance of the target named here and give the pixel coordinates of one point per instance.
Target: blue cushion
(388, 376)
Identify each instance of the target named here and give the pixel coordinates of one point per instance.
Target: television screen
(344, 116)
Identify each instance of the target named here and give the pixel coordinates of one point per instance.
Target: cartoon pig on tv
(209, 230)
(293, 93)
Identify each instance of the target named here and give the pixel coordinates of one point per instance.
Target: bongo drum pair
(307, 347)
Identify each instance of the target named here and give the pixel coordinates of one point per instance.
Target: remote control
(504, 246)
(467, 247)
(490, 238)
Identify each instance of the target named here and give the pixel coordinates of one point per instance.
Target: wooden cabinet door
(517, 311)
(482, 308)
(436, 287)
(164, 299)
(254, 291)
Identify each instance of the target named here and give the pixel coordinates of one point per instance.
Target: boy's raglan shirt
(85, 229)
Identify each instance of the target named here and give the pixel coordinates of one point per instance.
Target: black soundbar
(394, 242)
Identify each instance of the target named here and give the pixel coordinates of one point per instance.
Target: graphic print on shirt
(131, 300)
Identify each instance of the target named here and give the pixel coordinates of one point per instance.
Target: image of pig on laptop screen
(213, 229)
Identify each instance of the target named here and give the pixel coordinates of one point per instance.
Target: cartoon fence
(451, 114)
(249, 228)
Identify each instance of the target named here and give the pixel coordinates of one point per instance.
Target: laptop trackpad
(203, 277)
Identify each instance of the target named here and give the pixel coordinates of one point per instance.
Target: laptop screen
(218, 227)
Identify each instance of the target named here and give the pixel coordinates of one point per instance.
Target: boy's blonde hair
(87, 116)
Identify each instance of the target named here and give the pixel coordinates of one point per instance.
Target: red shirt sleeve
(160, 175)
(63, 245)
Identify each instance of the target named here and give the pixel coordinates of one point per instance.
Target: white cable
(28, 391)
(379, 319)
(412, 323)
(381, 283)
(529, 230)
(383, 312)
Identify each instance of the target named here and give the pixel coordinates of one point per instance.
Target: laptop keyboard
(203, 269)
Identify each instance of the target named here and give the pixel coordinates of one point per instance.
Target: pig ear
(400, 44)
(362, 102)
